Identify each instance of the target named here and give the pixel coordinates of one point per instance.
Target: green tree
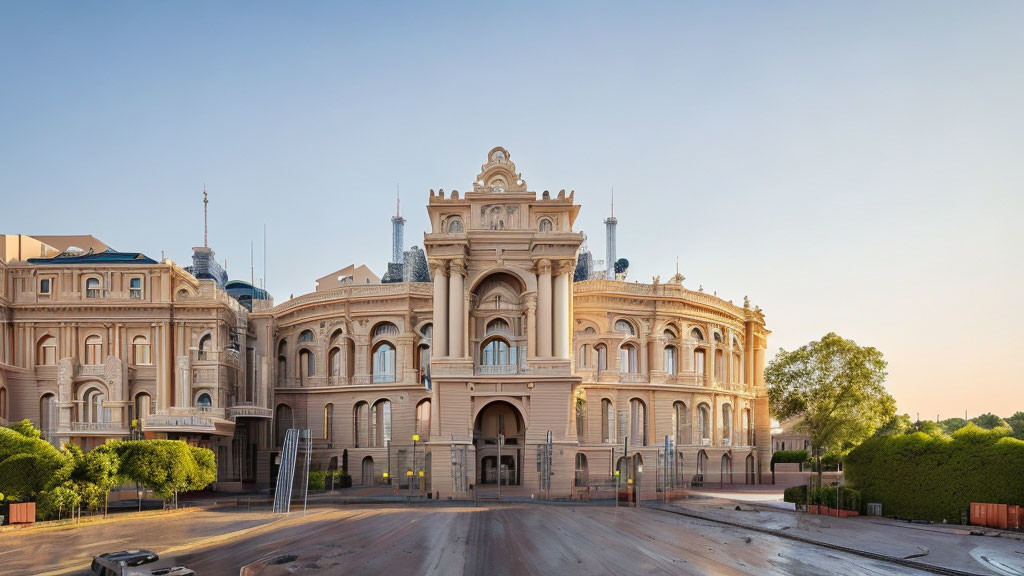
(950, 425)
(28, 465)
(898, 424)
(989, 421)
(836, 387)
(1016, 423)
(165, 466)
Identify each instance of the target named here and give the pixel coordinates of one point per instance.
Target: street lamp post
(639, 479)
(415, 439)
(501, 440)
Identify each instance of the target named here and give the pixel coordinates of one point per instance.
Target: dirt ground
(494, 539)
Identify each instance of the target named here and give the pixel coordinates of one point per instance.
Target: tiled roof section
(109, 256)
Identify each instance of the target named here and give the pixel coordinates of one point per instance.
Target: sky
(853, 167)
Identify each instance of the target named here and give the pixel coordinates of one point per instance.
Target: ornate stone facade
(500, 367)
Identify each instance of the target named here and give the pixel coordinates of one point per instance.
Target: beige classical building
(501, 367)
(104, 344)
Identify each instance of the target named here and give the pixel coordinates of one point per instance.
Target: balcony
(632, 377)
(498, 370)
(108, 428)
(175, 422)
(249, 410)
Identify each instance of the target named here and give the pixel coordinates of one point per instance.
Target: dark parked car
(127, 562)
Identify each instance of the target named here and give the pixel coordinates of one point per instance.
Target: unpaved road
(496, 539)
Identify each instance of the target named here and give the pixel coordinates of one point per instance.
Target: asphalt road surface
(495, 539)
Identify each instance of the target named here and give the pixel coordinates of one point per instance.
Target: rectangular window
(135, 288)
(44, 286)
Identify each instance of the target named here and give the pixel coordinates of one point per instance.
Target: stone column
(656, 344)
(531, 326)
(561, 309)
(456, 307)
(544, 308)
(439, 339)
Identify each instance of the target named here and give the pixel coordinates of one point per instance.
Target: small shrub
(796, 494)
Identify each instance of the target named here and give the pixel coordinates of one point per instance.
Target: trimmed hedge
(796, 494)
(937, 477)
(789, 457)
(321, 480)
(824, 496)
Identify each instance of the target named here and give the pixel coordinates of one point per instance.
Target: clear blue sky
(854, 167)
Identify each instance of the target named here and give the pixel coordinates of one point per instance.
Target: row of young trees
(31, 469)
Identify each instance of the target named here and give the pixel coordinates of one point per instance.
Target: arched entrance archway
(751, 479)
(702, 465)
(368, 471)
(582, 477)
(499, 418)
(726, 469)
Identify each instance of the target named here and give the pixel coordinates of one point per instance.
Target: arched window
(737, 368)
(92, 288)
(681, 423)
(637, 422)
(46, 355)
(334, 363)
(702, 465)
(380, 423)
(590, 331)
(427, 332)
(544, 225)
(93, 349)
(497, 326)
(628, 359)
(607, 421)
(307, 364)
(306, 336)
(384, 362)
(3, 403)
(704, 424)
(726, 469)
(328, 421)
(205, 343)
(697, 335)
(454, 226)
(143, 406)
(140, 350)
(727, 425)
(282, 364)
(719, 366)
(422, 366)
(360, 419)
(283, 420)
(423, 420)
(602, 357)
(496, 352)
(384, 329)
(204, 401)
(698, 361)
(47, 414)
(92, 404)
(671, 360)
(748, 431)
(718, 337)
(583, 360)
(624, 327)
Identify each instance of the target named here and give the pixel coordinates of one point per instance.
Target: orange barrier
(1002, 516)
(24, 513)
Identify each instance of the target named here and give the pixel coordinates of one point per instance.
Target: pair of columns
(449, 307)
(547, 320)
(553, 308)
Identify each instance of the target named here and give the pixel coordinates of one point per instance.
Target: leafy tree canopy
(836, 387)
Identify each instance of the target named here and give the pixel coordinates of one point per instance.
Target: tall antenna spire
(398, 201)
(609, 238)
(205, 226)
(613, 201)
